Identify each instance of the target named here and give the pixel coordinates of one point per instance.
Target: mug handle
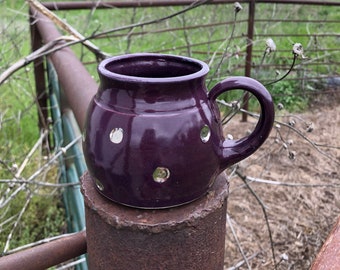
(233, 151)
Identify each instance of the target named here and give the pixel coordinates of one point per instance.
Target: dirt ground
(300, 217)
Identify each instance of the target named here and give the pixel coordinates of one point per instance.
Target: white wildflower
(237, 52)
(298, 50)
(14, 167)
(284, 257)
(237, 7)
(236, 105)
(310, 127)
(271, 46)
(292, 155)
(292, 122)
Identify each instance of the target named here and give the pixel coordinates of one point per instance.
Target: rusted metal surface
(249, 51)
(161, 3)
(73, 77)
(126, 4)
(46, 255)
(39, 77)
(186, 237)
(329, 255)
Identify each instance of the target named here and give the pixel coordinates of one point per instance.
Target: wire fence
(296, 170)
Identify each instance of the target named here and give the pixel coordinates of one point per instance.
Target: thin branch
(61, 152)
(237, 241)
(37, 183)
(9, 237)
(225, 49)
(50, 47)
(125, 27)
(239, 264)
(278, 183)
(315, 145)
(30, 154)
(244, 179)
(44, 50)
(68, 28)
(69, 265)
(284, 76)
(40, 170)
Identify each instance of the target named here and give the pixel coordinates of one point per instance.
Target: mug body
(151, 137)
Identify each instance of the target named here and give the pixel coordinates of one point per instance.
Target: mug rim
(103, 70)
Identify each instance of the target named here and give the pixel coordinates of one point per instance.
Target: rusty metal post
(329, 255)
(250, 36)
(46, 255)
(79, 87)
(39, 76)
(189, 237)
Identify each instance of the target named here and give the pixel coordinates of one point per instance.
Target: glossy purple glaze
(156, 106)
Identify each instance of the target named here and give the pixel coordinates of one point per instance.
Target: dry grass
(300, 217)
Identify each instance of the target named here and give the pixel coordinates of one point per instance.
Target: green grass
(321, 51)
(44, 216)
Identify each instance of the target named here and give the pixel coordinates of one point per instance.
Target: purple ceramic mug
(153, 137)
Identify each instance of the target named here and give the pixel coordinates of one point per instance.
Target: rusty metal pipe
(78, 85)
(249, 50)
(46, 255)
(188, 237)
(329, 255)
(125, 4)
(163, 3)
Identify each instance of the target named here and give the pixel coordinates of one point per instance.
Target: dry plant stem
(30, 154)
(190, 7)
(9, 237)
(129, 34)
(71, 264)
(244, 179)
(8, 220)
(237, 241)
(284, 76)
(50, 47)
(37, 183)
(57, 155)
(68, 28)
(315, 145)
(44, 50)
(225, 50)
(40, 170)
(239, 264)
(278, 183)
(25, 61)
(233, 113)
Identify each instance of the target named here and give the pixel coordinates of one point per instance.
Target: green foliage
(288, 93)
(44, 217)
